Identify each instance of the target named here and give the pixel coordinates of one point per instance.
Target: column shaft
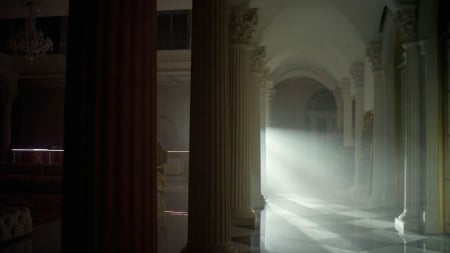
(348, 120)
(209, 162)
(359, 126)
(379, 168)
(242, 150)
(255, 125)
(109, 189)
(410, 219)
(340, 110)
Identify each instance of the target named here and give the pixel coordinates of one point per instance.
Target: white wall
(173, 116)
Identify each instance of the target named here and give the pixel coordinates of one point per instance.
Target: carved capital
(270, 94)
(373, 52)
(338, 94)
(258, 57)
(406, 21)
(243, 25)
(357, 72)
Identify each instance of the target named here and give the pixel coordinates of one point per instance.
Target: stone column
(262, 104)
(270, 94)
(337, 92)
(257, 63)
(378, 175)
(242, 29)
(109, 188)
(357, 72)
(411, 218)
(209, 161)
(347, 113)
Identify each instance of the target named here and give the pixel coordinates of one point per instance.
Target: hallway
(294, 224)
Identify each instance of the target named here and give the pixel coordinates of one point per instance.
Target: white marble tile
(360, 214)
(390, 236)
(372, 223)
(399, 249)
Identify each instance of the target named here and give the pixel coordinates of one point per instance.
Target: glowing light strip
(174, 213)
(37, 149)
(181, 151)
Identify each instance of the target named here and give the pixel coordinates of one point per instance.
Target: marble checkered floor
(293, 224)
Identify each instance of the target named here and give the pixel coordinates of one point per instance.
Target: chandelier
(28, 40)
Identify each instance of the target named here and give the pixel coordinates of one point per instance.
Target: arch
(317, 33)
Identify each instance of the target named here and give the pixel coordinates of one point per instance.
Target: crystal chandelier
(29, 41)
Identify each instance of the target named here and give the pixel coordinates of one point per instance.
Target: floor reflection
(294, 224)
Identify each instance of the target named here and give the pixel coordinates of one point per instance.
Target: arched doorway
(302, 144)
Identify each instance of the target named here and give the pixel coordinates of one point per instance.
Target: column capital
(338, 93)
(406, 21)
(243, 23)
(373, 52)
(357, 72)
(270, 93)
(267, 82)
(258, 58)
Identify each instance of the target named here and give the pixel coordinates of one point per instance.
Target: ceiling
(321, 39)
(17, 8)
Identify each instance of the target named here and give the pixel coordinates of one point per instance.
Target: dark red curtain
(109, 200)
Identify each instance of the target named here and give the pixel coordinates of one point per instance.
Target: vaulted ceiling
(320, 39)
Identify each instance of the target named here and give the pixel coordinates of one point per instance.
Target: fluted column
(262, 104)
(209, 161)
(347, 113)
(411, 218)
(243, 23)
(269, 96)
(338, 96)
(357, 72)
(379, 169)
(257, 75)
(109, 188)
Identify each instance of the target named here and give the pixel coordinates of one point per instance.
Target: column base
(226, 248)
(243, 217)
(408, 223)
(259, 202)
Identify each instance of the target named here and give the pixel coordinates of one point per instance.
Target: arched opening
(303, 142)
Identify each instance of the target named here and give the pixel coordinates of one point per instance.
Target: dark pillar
(209, 161)
(109, 200)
